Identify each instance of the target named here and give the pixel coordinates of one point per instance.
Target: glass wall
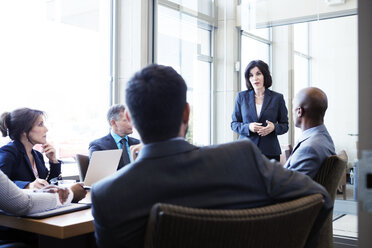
(325, 57)
(314, 43)
(55, 56)
(184, 41)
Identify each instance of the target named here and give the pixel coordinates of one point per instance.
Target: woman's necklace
(258, 96)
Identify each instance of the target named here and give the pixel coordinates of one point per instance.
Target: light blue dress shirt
(117, 139)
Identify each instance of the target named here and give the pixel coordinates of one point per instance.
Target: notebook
(58, 211)
(101, 165)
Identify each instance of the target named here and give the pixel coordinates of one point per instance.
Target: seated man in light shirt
(315, 143)
(118, 137)
(16, 201)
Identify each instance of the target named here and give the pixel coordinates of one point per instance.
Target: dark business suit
(15, 164)
(108, 143)
(228, 176)
(273, 109)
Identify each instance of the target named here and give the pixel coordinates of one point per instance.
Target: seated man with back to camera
(315, 143)
(118, 137)
(168, 169)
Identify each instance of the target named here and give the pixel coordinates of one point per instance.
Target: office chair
(280, 225)
(342, 184)
(329, 175)
(286, 152)
(83, 163)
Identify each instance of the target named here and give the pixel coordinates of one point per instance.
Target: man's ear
(127, 115)
(185, 121)
(112, 123)
(300, 112)
(186, 114)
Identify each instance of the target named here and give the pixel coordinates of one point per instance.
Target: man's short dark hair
(114, 112)
(156, 99)
(264, 68)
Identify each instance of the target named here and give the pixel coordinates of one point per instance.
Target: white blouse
(258, 109)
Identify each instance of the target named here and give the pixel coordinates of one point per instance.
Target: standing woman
(260, 114)
(18, 160)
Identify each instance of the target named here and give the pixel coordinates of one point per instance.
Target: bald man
(315, 143)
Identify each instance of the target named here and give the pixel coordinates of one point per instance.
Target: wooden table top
(60, 226)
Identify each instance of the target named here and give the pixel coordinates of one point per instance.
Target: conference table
(74, 229)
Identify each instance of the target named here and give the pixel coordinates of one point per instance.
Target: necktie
(125, 155)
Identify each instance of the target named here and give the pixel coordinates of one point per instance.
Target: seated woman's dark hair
(264, 68)
(14, 124)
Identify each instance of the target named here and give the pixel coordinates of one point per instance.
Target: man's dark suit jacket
(273, 109)
(15, 164)
(108, 143)
(229, 176)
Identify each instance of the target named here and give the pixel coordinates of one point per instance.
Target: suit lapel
(252, 105)
(29, 165)
(38, 163)
(265, 104)
(110, 142)
(22, 149)
(288, 163)
(132, 141)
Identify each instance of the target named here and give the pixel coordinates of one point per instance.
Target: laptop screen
(101, 165)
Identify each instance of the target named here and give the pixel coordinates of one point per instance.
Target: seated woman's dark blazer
(15, 164)
(273, 109)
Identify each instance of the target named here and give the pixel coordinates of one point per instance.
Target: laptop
(101, 165)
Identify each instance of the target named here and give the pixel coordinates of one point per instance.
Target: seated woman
(18, 160)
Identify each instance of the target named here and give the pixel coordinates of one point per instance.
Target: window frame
(205, 22)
